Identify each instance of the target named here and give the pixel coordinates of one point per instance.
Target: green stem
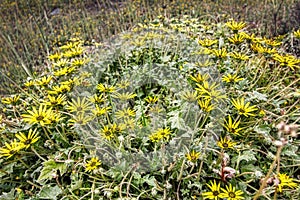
(36, 153)
(264, 183)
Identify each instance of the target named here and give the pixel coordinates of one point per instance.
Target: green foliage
(50, 170)
(156, 112)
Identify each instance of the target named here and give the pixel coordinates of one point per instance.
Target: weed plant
(175, 108)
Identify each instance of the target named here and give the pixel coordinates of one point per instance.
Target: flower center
(27, 142)
(231, 194)
(40, 118)
(11, 152)
(242, 110)
(215, 193)
(93, 164)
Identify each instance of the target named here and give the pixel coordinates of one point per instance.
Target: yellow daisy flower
(11, 148)
(230, 193)
(193, 156)
(92, 164)
(242, 108)
(41, 116)
(31, 138)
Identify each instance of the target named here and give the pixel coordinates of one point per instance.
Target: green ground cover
(149, 100)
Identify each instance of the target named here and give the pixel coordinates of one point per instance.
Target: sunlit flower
(129, 123)
(230, 193)
(61, 63)
(206, 87)
(297, 34)
(97, 99)
(105, 88)
(252, 38)
(160, 134)
(237, 38)
(125, 113)
(69, 46)
(126, 36)
(71, 69)
(229, 78)
(44, 81)
(205, 63)
(13, 100)
(273, 43)
(285, 181)
(108, 132)
(235, 26)
(61, 72)
(214, 95)
(207, 42)
(124, 96)
(287, 60)
(59, 100)
(189, 96)
(41, 116)
(225, 143)
(54, 57)
(214, 192)
(206, 105)
(156, 109)
(92, 164)
(11, 148)
(155, 138)
(259, 48)
(242, 108)
(79, 105)
(80, 119)
(219, 53)
(151, 100)
(31, 138)
(73, 52)
(164, 132)
(71, 82)
(29, 83)
(193, 156)
(239, 56)
(56, 117)
(232, 127)
(123, 84)
(209, 91)
(62, 89)
(98, 111)
(199, 78)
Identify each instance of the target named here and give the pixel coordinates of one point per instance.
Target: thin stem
(264, 183)
(36, 153)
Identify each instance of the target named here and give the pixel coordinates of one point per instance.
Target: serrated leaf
(290, 151)
(50, 167)
(8, 196)
(262, 129)
(247, 156)
(176, 121)
(49, 192)
(259, 96)
(7, 169)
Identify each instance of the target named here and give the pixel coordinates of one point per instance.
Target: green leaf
(7, 169)
(259, 96)
(176, 121)
(50, 168)
(247, 156)
(49, 192)
(8, 196)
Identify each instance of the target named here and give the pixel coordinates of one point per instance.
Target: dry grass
(31, 28)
